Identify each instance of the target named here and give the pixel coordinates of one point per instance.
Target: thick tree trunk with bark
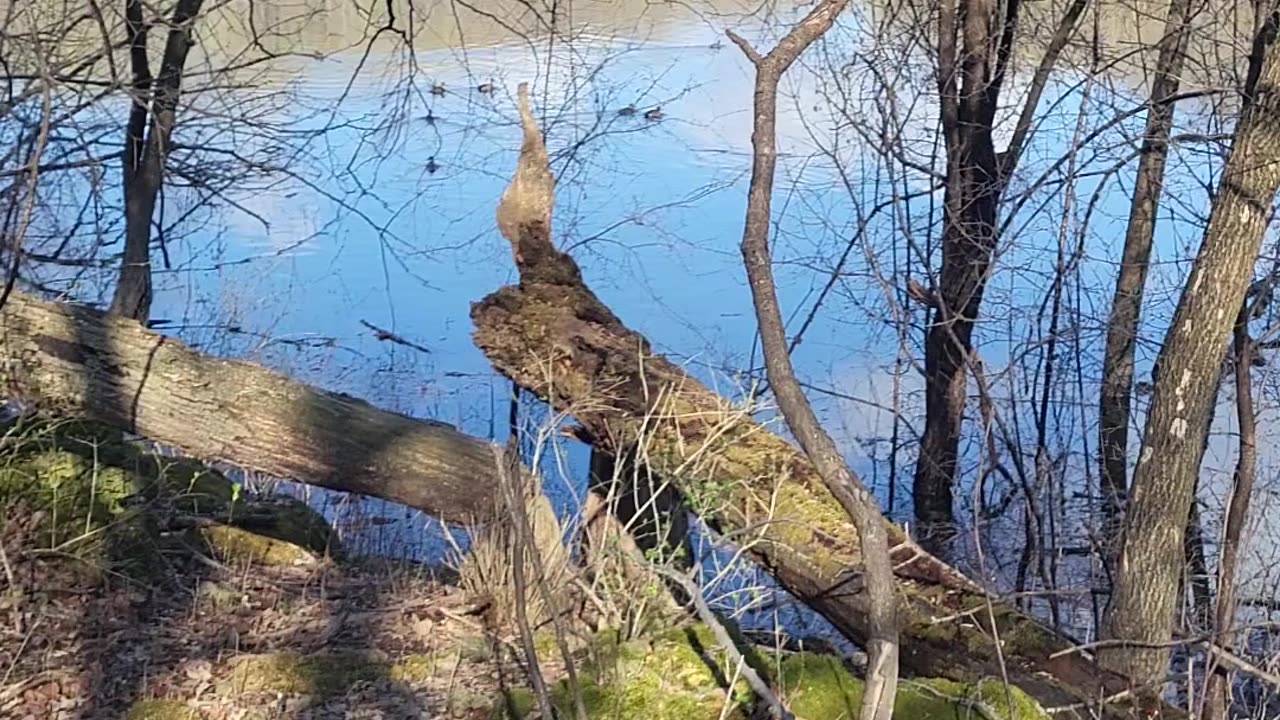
(553, 336)
(144, 158)
(1126, 304)
(75, 360)
(1150, 561)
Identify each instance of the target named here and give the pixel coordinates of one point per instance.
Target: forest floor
(311, 640)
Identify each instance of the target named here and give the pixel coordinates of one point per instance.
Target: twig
(758, 685)
(8, 569)
(506, 480)
(387, 335)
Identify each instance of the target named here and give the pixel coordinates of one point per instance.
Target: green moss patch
(682, 675)
(819, 686)
(288, 520)
(233, 544)
(673, 677)
(83, 510)
(102, 500)
(160, 710)
(327, 675)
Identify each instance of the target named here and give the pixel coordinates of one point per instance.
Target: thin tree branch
(853, 496)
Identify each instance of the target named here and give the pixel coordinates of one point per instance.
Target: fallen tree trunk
(75, 360)
(553, 336)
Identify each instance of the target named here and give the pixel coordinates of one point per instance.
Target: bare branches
(145, 160)
(1027, 118)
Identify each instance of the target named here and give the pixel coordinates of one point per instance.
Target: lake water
(386, 217)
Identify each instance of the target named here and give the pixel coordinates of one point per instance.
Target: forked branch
(853, 496)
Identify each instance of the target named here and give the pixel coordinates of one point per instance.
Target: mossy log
(554, 337)
(683, 674)
(75, 360)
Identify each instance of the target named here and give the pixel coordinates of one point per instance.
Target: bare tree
(848, 489)
(1218, 691)
(976, 40)
(147, 145)
(1150, 561)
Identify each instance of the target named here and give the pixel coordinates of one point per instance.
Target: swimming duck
(486, 88)
(654, 114)
(432, 167)
(627, 111)
(437, 89)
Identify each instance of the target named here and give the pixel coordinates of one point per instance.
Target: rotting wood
(76, 360)
(553, 336)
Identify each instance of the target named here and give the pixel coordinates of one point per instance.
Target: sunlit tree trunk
(855, 499)
(1126, 304)
(1150, 560)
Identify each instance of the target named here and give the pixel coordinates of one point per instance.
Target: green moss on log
(682, 675)
(232, 544)
(102, 500)
(819, 686)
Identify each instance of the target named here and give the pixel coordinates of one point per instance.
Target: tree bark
(75, 360)
(1150, 563)
(1218, 688)
(846, 487)
(552, 336)
(975, 43)
(969, 80)
(1126, 304)
(144, 160)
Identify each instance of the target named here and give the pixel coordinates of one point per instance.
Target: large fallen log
(553, 336)
(73, 359)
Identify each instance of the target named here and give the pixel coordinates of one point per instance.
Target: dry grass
(486, 569)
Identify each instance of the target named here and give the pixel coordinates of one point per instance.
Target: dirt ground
(315, 640)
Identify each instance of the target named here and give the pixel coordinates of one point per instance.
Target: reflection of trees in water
(327, 26)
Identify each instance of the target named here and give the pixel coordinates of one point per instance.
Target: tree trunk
(969, 80)
(552, 336)
(1218, 689)
(145, 160)
(647, 509)
(1126, 304)
(1146, 580)
(967, 245)
(76, 360)
(975, 43)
